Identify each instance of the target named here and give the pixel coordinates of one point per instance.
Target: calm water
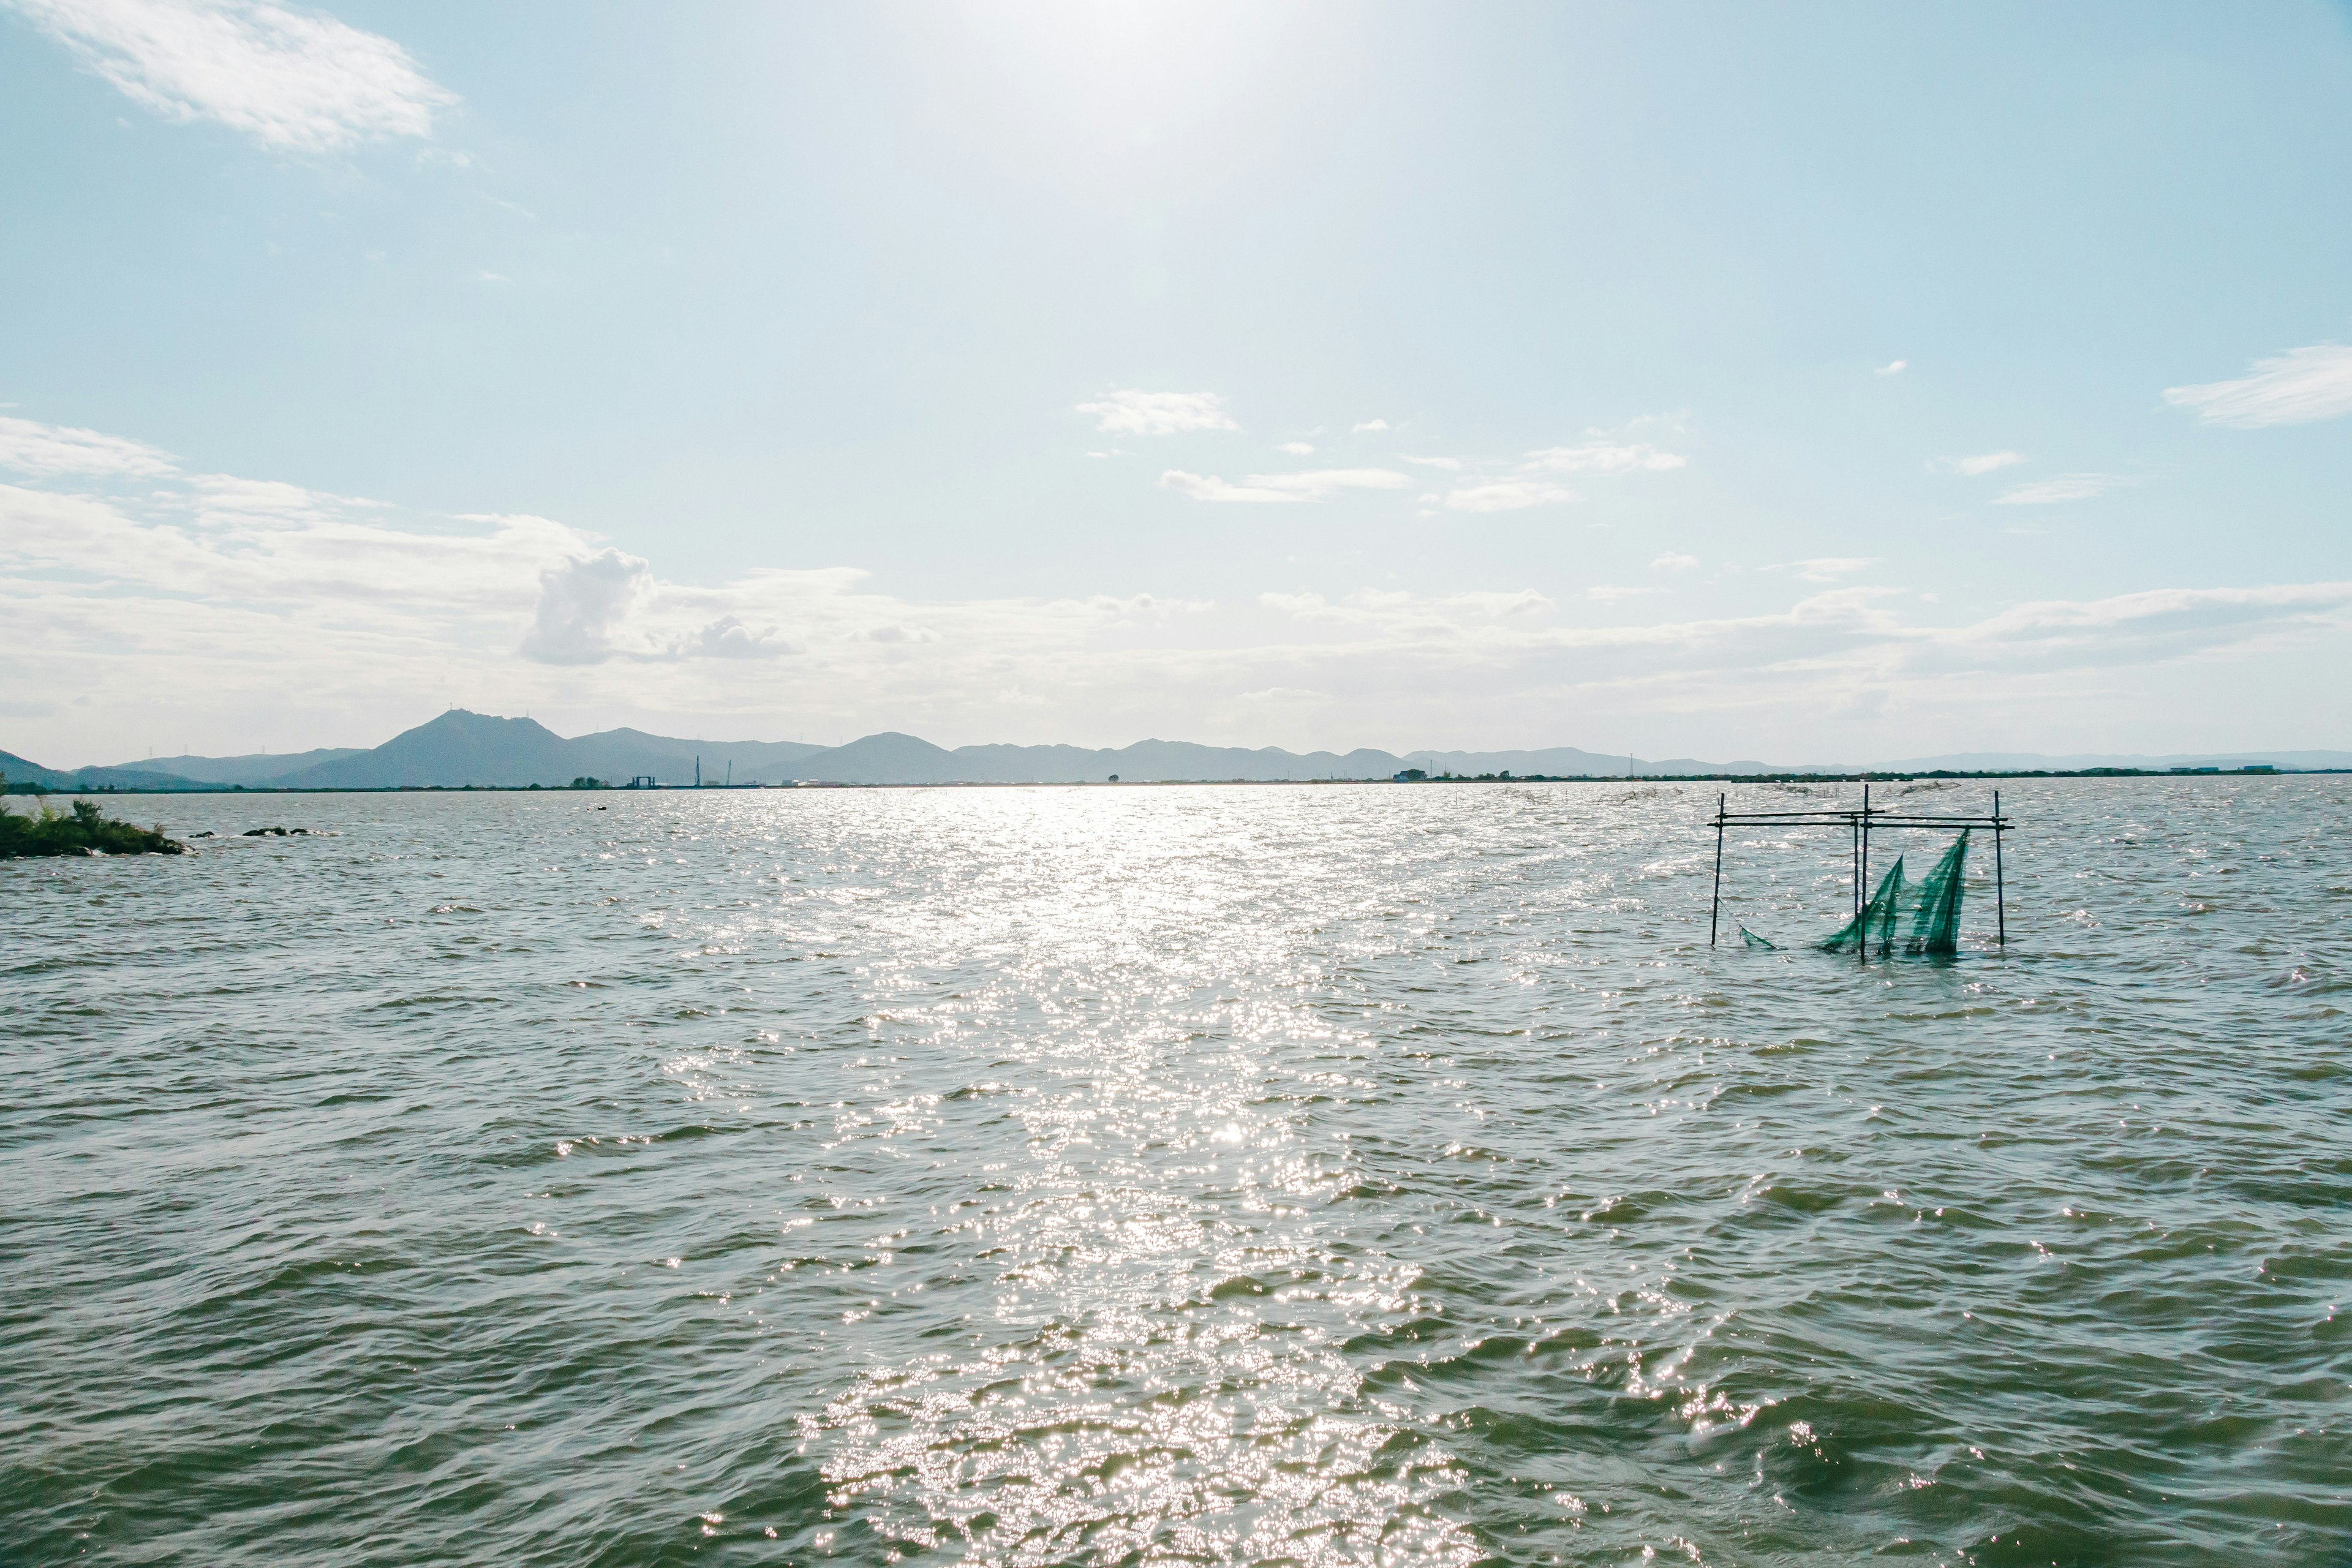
(1309, 1176)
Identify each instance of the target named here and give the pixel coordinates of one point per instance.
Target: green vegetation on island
(81, 831)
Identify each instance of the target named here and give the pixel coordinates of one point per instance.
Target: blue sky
(1841, 382)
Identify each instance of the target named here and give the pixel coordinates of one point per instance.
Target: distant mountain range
(462, 748)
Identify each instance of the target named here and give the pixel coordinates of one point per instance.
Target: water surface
(1316, 1175)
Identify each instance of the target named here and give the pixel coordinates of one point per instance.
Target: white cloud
(48, 450)
(1132, 412)
(294, 81)
(1319, 484)
(1673, 562)
(1508, 495)
(1610, 594)
(1603, 456)
(274, 613)
(1368, 425)
(1825, 568)
(2293, 388)
(1450, 464)
(586, 605)
(729, 637)
(1296, 448)
(1983, 463)
(2130, 628)
(2063, 487)
(1893, 367)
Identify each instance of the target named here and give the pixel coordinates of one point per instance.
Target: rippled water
(1314, 1175)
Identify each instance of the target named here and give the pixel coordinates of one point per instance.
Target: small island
(81, 831)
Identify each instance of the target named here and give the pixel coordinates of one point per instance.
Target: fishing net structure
(1934, 910)
(1936, 918)
(1878, 917)
(1922, 919)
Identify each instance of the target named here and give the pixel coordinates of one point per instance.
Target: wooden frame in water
(1858, 820)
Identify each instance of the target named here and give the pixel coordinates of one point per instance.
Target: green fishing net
(1878, 917)
(1754, 941)
(1936, 922)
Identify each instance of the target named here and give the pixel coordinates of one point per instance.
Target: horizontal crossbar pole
(1877, 819)
(1825, 814)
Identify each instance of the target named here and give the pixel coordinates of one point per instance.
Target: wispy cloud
(1508, 495)
(293, 80)
(2160, 623)
(1611, 593)
(1983, 463)
(1316, 485)
(1296, 448)
(1368, 425)
(2063, 487)
(43, 450)
(1825, 568)
(1604, 457)
(1673, 562)
(2293, 388)
(1132, 412)
(1893, 367)
(1450, 464)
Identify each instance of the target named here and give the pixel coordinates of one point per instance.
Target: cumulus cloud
(43, 450)
(729, 637)
(2293, 388)
(585, 606)
(2064, 488)
(293, 80)
(1132, 412)
(1316, 485)
(1507, 495)
(1603, 456)
(329, 618)
(1983, 463)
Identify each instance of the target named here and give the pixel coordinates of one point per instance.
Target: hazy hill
(22, 770)
(254, 767)
(462, 747)
(456, 748)
(620, 756)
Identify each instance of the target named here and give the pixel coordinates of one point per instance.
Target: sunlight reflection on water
(1081, 1175)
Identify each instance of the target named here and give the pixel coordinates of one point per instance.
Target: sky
(1811, 382)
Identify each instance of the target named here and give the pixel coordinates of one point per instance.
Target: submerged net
(1935, 923)
(1877, 918)
(1754, 941)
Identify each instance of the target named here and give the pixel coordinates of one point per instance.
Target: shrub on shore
(80, 831)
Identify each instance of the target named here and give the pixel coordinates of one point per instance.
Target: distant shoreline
(1888, 777)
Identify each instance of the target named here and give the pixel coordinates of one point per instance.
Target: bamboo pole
(1999, 890)
(1715, 914)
